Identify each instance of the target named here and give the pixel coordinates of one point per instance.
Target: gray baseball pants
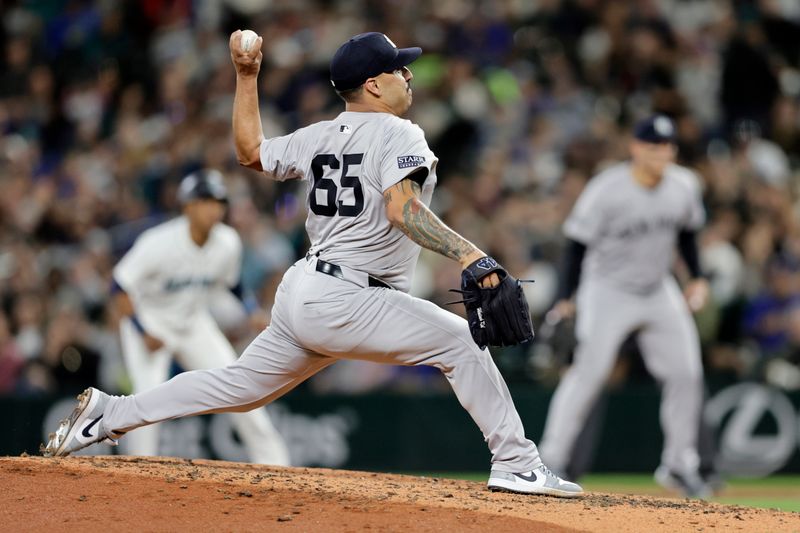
(318, 319)
(670, 347)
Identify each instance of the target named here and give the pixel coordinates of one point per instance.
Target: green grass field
(775, 492)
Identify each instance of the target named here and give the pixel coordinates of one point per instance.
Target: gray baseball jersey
(347, 222)
(630, 232)
(319, 318)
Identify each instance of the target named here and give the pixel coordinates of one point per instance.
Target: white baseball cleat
(538, 481)
(81, 428)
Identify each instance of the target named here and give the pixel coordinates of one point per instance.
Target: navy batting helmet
(203, 184)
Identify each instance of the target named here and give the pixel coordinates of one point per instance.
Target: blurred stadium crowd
(105, 105)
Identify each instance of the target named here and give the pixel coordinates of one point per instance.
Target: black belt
(336, 271)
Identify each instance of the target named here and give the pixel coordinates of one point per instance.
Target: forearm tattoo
(426, 229)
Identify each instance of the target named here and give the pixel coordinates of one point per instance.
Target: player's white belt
(336, 271)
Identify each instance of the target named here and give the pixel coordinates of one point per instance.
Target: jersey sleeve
(405, 151)
(585, 221)
(140, 262)
(280, 156)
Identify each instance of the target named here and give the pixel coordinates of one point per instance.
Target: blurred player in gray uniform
(622, 235)
(370, 177)
(162, 287)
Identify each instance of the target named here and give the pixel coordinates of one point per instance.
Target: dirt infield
(158, 494)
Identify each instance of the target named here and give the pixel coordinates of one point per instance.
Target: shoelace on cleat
(548, 472)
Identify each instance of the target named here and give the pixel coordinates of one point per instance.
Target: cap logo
(663, 126)
(389, 41)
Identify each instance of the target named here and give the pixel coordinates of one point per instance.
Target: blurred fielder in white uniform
(628, 221)
(162, 287)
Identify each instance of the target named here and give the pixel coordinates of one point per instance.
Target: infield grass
(780, 491)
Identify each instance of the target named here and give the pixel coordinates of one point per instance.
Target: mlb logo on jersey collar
(344, 128)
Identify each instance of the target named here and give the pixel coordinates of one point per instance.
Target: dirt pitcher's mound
(157, 494)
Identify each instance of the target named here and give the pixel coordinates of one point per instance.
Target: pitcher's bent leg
(483, 392)
(472, 374)
(395, 328)
(270, 367)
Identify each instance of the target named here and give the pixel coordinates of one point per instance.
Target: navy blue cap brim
(208, 195)
(655, 139)
(405, 56)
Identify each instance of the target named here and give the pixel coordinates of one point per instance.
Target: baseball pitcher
(370, 176)
(162, 287)
(621, 236)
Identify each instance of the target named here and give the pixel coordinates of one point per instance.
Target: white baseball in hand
(248, 39)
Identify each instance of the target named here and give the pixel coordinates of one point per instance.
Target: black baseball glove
(497, 316)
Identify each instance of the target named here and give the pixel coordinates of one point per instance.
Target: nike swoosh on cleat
(85, 431)
(530, 478)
